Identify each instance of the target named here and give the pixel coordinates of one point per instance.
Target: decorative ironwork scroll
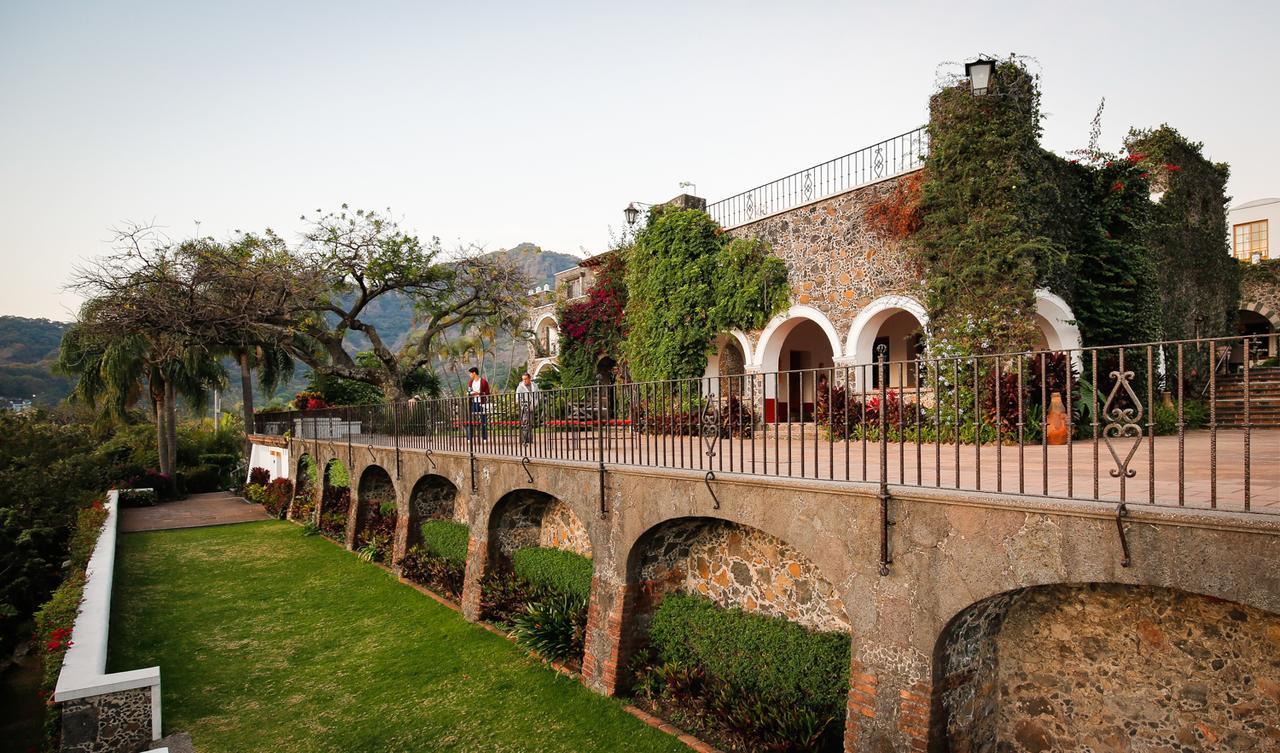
(1122, 423)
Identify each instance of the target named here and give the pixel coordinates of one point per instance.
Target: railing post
(395, 431)
(883, 367)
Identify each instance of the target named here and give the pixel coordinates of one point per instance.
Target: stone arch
(1057, 324)
(306, 489)
(335, 499)
(860, 346)
(734, 565)
(1261, 324)
(730, 356)
(539, 366)
(1264, 310)
(800, 340)
(546, 331)
(529, 517)
(434, 497)
(1069, 667)
(769, 349)
(375, 488)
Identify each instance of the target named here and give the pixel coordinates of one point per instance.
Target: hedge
(554, 570)
(766, 656)
(447, 540)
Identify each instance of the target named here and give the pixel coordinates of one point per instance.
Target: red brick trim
(663, 726)
(268, 439)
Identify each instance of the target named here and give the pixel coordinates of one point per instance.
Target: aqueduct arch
(529, 517)
(1073, 667)
(433, 497)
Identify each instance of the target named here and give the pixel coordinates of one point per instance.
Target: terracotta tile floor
(215, 508)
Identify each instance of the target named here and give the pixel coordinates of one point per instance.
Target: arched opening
(1056, 328)
(1262, 343)
(335, 500)
(726, 365)
(893, 328)
(723, 610)
(802, 346)
(305, 490)
(539, 575)
(433, 498)
(375, 514)
(1106, 667)
(546, 337)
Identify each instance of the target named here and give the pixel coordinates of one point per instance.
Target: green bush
(554, 570)
(554, 627)
(138, 497)
(446, 539)
(764, 657)
(202, 478)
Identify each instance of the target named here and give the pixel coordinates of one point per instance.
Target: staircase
(1264, 399)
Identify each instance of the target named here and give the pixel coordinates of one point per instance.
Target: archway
(1056, 326)
(710, 595)
(375, 514)
(1106, 667)
(305, 489)
(799, 346)
(528, 517)
(730, 354)
(895, 325)
(546, 335)
(433, 498)
(1262, 343)
(335, 500)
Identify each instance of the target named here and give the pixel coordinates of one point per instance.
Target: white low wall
(84, 668)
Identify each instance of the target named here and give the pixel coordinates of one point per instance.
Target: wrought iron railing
(1122, 424)
(900, 154)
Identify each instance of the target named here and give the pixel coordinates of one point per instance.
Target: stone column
(608, 637)
(404, 518)
(477, 563)
(889, 699)
(353, 516)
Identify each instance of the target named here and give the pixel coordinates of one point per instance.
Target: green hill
(28, 348)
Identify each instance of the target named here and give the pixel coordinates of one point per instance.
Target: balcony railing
(900, 154)
(1171, 423)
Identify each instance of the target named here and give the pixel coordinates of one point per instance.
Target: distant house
(1250, 236)
(1251, 225)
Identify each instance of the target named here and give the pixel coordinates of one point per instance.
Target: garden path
(210, 509)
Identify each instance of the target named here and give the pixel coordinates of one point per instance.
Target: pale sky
(496, 123)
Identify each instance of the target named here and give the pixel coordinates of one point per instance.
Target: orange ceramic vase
(1055, 426)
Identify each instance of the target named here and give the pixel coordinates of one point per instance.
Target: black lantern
(979, 73)
(631, 213)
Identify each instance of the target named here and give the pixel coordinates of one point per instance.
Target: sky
(498, 123)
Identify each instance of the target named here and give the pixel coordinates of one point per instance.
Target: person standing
(478, 391)
(526, 393)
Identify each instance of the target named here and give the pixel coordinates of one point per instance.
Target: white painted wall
(274, 459)
(1251, 211)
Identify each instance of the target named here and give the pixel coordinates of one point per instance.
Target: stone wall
(1117, 668)
(838, 264)
(736, 566)
(967, 667)
(110, 723)
(1260, 289)
(529, 518)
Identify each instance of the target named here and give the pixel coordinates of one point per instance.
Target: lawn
(269, 640)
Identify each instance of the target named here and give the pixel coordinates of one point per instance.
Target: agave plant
(554, 627)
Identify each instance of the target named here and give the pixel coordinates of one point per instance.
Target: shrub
(437, 573)
(137, 497)
(766, 657)
(555, 627)
(84, 538)
(276, 496)
(165, 489)
(260, 476)
(447, 540)
(202, 478)
(256, 493)
(554, 571)
(503, 597)
(223, 460)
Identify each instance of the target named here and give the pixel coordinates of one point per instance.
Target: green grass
(269, 640)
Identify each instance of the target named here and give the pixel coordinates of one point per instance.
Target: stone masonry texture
(984, 634)
(111, 723)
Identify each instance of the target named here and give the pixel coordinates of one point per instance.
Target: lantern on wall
(979, 73)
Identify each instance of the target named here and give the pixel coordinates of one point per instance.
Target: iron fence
(885, 159)
(1181, 424)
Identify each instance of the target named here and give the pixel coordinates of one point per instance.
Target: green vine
(688, 282)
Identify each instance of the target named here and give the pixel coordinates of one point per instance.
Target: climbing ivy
(988, 197)
(1199, 280)
(687, 282)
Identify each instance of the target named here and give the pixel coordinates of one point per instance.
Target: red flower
(1171, 167)
(1135, 158)
(1117, 186)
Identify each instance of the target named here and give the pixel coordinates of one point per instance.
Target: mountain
(28, 348)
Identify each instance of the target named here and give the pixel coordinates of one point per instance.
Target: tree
(359, 257)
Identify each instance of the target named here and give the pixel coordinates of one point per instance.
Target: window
(1250, 239)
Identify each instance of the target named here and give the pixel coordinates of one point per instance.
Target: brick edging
(661, 725)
